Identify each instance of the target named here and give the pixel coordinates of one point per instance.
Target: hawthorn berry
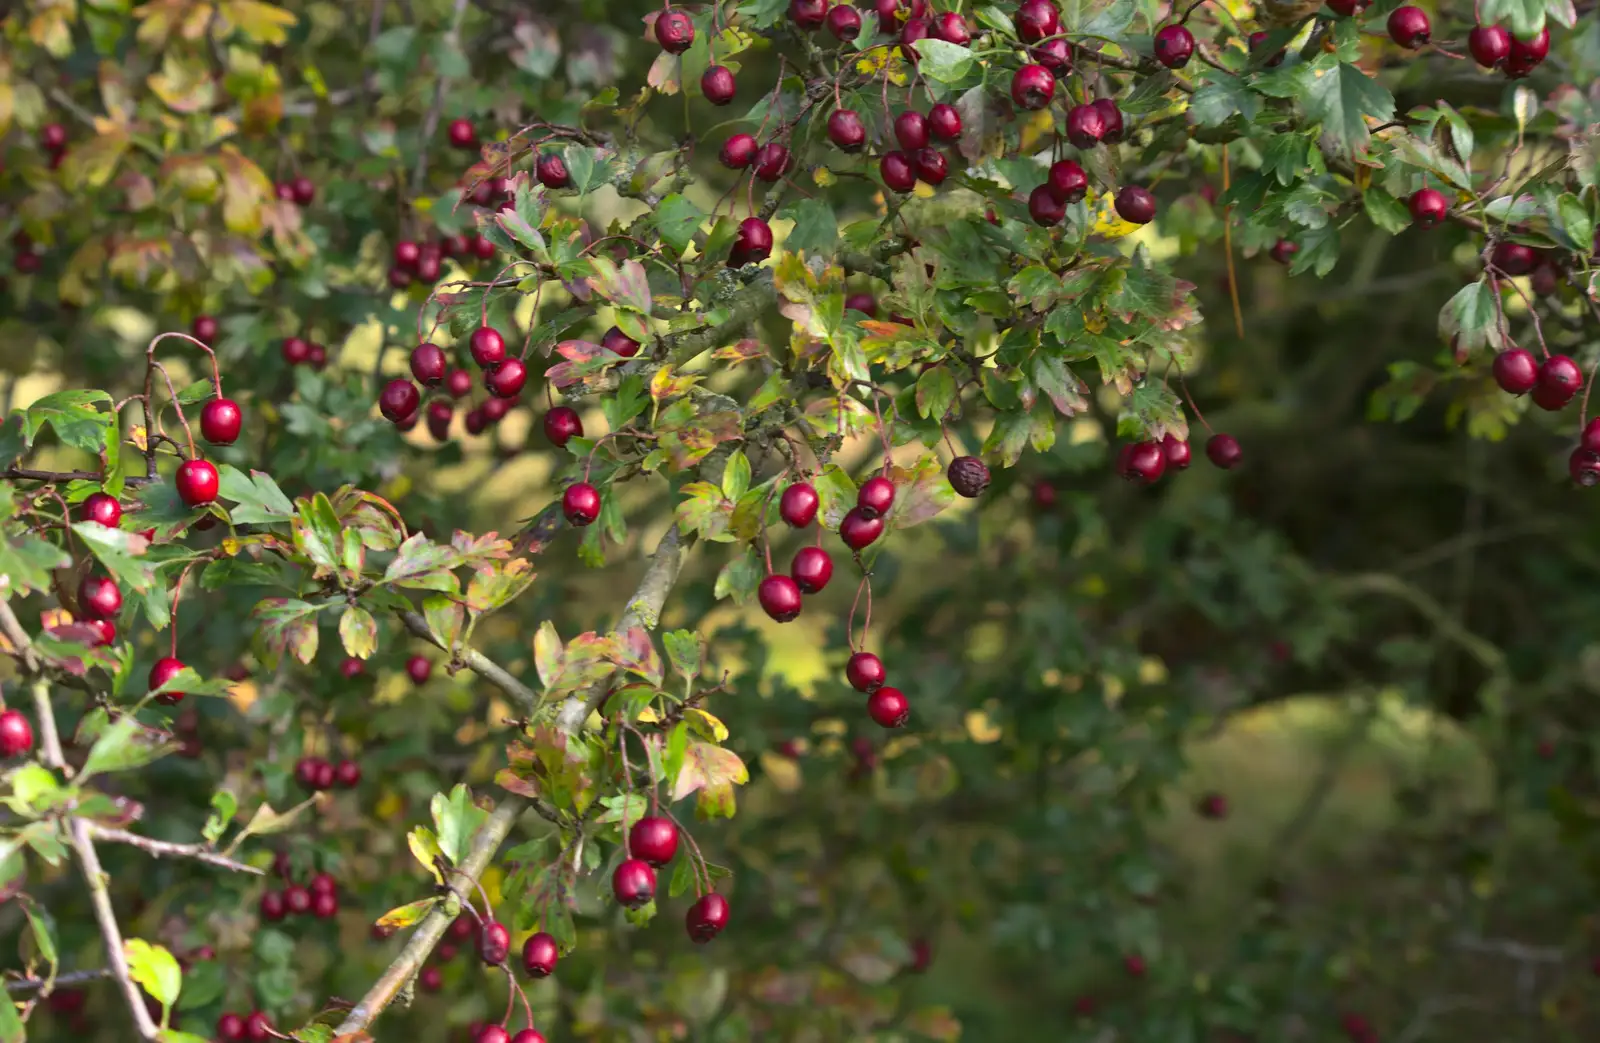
(347, 774)
(911, 130)
(102, 508)
(399, 278)
(1044, 493)
(889, 707)
(561, 425)
(951, 27)
(875, 497)
(1527, 54)
(1409, 27)
(297, 899)
(1086, 126)
(1032, 87)
(1590, 439)
(844, 22)
(430, 979)
(439, 414)
(528, 1036)
(798, 505)
(811, 569)
(968, 476)
(1559, 380)
(492, 1034)
(551, 170)
(1283, 251)
(165, 669)
(1174, 46)
(220, 421)
(1224, 451)
(1054, 54)
(1213, 806)
(674, 31)
(257, 1027)
(1142, 461)
(1037, 19)
(581, 504)
(1135, 965)
(846, 130)
(16, 734)
(780, 597)
(1113, 120)
(1258, 40)
(898, 171)
(864, 303)
(858, 530)
(428, 364)
(488, 347)
(808, 14)
(1584, 466)
(204, 328)
(653, 840)
(706, 918)
(230, 1028)
(773, 161)
(399, 400)
(304, 189)
(1428, 207)
(506, 379)
(494, 943)
(718, 85)
(197, 482)
(1348, 8)
(739, 151)
(462, 135)
(1176, 451)
(931, 166)
(539, 955)
(1136, 204)
(1490, 45)
(633, 883)
(273, 907)
(419, 668)
(1067, 183)
(53, 137)
(295, 351)
(944, 122)
(324, 905)
(915, 29)
(752, 244)
(865, 672)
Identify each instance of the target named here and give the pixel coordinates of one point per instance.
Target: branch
(167, 849)
(475, 661)
(1487, 655)
(28, 474)
(11, 628)
(60, 981)
(430, 122)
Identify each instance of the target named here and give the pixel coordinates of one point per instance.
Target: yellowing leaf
(712, 772)
(184, 84)
(407, 915)
(1034, 130)
(91, 164)
(706, 724)
(426, 849)
(259, 21)
(1107, 222)
(664, 385)
(51, 26)
(244, 190)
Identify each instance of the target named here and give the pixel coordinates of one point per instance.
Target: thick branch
(167, 849)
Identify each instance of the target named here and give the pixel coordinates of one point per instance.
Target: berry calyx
(846, 130)
(944, 122)
(419, 668)
(494, 943)
(780, 597)
(1224, 451)
(865, 672)
(166, 668)
(706, 918)
(1490, 45)
(633, 883)
(811, 569)
(539, 955)
(653, 840)
(911, 130)
(876, 496)
(798, 505)
(1409, 27)
(889, 707)
(738, 152)
(561, 425)
(674, 31)
(968, 476)
(99, 597)
(844, 22)
(581, 504)
(399, 399)
(898, 171)
(488, 347)
(103, 509)
(1136, 204)
(858, 530)
(1032, 87)
(1174, 46)
(1045, 207)
(1428, 207)
(16, 734)
(753, 244)
(551, 170)
(221, 421)
(506, 379)
(1037, 19)
(428, 364)
(718, 85)
(197, 482)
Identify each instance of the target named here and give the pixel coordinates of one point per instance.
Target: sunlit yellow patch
(390, 805)
(980, 729)
(876, 60)
(1107, 222)
(824, 177)
(1039, 125)
(784, 773)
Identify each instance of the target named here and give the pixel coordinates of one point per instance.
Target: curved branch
(167, 849)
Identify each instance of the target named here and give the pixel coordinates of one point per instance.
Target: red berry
(1283, 250)
(951, 28)
(204, 328)
(876, 496)
(1174, 46)
(528, 1036)
(296, 351)
(257, 1027)
(1409, 27)
(197, 482)
(305, 190)
(1067, 182)
(889, 707)
(718, 85)
(297, 899)
(1527, 54)
(1037, 19)
(1590, 438)
(865, 672)
(798, 505)
(488, 347)
(347, 774)
(166, 668)
(931, 166)
(858, 530)
(439, 414)
(915, 29)
(1045, 208)
(1032, 87)
(406, 254)
(273, 907)
(463, 135)
(324, 905)
(561, 425)
(1213, 806)
(1258, 40)
(220, 421)
(633, 883)
(780, 597)
(399, 400)
(1136, 204)
(581, 503)
(428, 364)
(911, 130)
(846, 130)
(1177, 452)
(864, 303)
(773, 161)
(102, 508)
(844, 22)
(458, 382)
(539, 955)
(753, 243)
(654, 840)
(551, 170)
(706, 918)
(1490, 45)
(505, 380)
(1559, 380)
(944, 122)
(1224, 451)
(1584, 466)
(739, 151)
(808, 14)
(430, 979)
(230, 1028)
(1428, 207)
(1086, 126)
(420, 668)
(1135, 965)
(482, 248)
(811, 569)
(1113, 120)
(674, 31)
(1144, 461)
(494, 943)
(898, 171)
(53, 137)
(16, 734)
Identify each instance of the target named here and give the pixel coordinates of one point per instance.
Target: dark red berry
(581, 503)
(488, 347)
(1428, 207)
(1145, 462)
(1490, 45)
(230, 1028)
(297, 899)
(305, 190)
(296, 351)
(864, 303)
(780, 597)
(858, 531)
(1590, 438)
(1136, 204)
(1224, 451)
(1527, 54)
(494, 943)
(351, 668)
(1584, 467)
(739, 151)
(1044, 207)
(931, 166)
(1174, 46)
(419, 668)
(1113, 120)
(753, 244)
(633, 883)
(204, 329)
(506, 379)
(968, 476)
(808, 14)
(1258, 40)
(430, 979)
(1560, 379)
(1037, 19)
(53, 137)
(551, 170)
(539, 955)
(898, 171)
(944, 122)
(811, 569)
(166, 668)
(220, 421)
(706, 918)
(1409, 27)
(1514, 258)
(273, 907)
(428, 364)
(1054, 54)
(718, 85)
(865, 672)
(951, 28)
(798, 505)
(674, 31)
(399, 400)
(102, 508)
(1032, 87)
(844, 22)
(1283, 250)
(197, 482)
(846, 130)
(347, 774)
(911, 130)
(1176, 451)
(889, 707)
(439, 414)
(876, 496)
(1086, 126)
(463, 135)
(406, 254)
(773, 161)
(561, 425)
(653, 840)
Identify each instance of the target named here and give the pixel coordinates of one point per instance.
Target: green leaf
(685, 651)
(358, 631)
(224, 805)
(736, 475)
(677, 220)
(26, 561)
(816, 228)
(422, 564)
(12, 1030)
(627, 402)
(1385, 211)
(1059, 384)
(1340, 98)
(589, 168)
(318, 533)
(936, 389)
(1526, 16)
(267, 820)
(1468, 320)
(740, 576)
(123, 746)
(119, 551)
(71, 414)
(42, 924)
(1221, 98)
(942, 61)
(1575, 221)
(174, 1036)
(456, 820)
(153, 967)
(12, 442)
(836, 494)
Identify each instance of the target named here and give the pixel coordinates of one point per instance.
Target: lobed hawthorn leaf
(496, 586)
(686, 651)
(124, 745)
(739, 578)
(456, 820)
(154, 968)
(636, 654)
(626, 286)
(1341, 98)
(422, 564)
(703, 512)
(71, 414)
(944, 62)
(256, 497)
(26, 562)
(121, 552)
(712, 772)
(816, 227)
(358, 632)
(288, 624)
(676, 220)
(1468, 321)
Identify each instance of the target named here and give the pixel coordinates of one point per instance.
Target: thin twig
(430, 122)
(167, 849)
(67, 980)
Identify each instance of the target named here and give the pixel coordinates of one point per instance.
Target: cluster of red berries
(299, 190)
(318, 774)
(504, 377)
(652, 842)
(53, 139)
(1148, 460)
(319, 898)
(1554, 382)
(254, 1027)
(297, 351)
(885, 705)
(25, 257)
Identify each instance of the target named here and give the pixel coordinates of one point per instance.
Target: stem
(1227, 249)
